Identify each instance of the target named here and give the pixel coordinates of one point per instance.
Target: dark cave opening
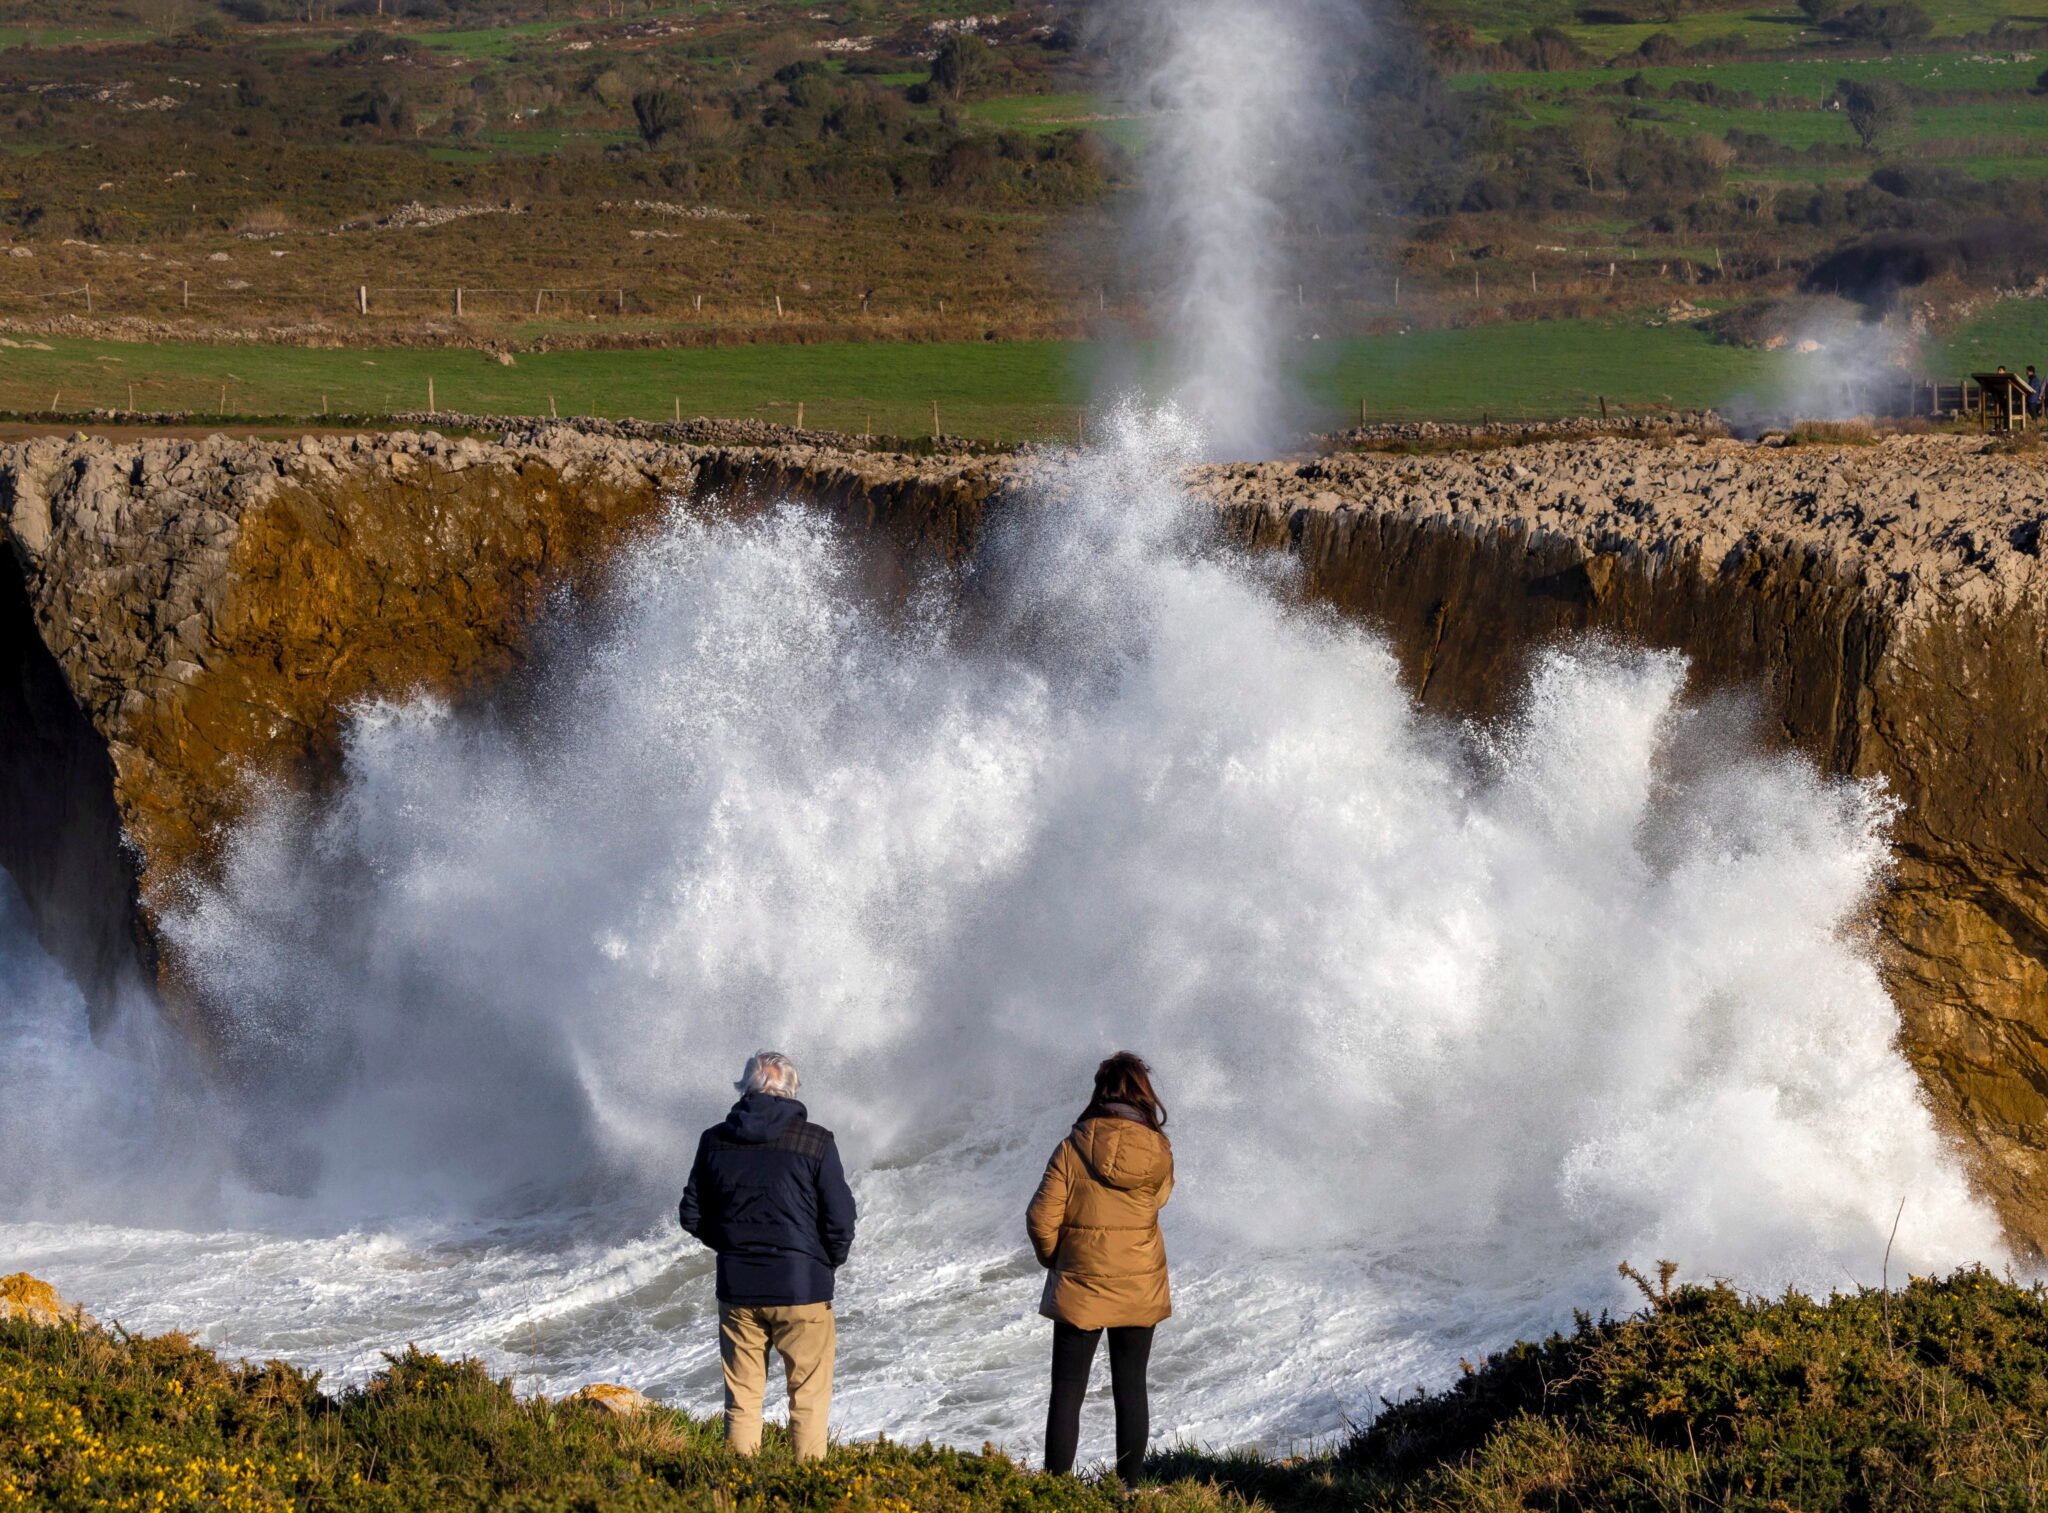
(60, 831)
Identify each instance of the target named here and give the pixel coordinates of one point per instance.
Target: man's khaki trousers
(806, 1337)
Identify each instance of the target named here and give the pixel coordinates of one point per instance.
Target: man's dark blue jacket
(767, 1194)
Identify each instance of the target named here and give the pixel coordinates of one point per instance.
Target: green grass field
(999, 391)
(1813, 78)
(1766, 25)
(1041, 115)
(1970, 127)
(493, 42)
(990, 390)
(69, 36)
(2012, 331)
(1002, 391)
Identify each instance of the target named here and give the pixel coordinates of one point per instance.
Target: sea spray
(1450, 1020)
(1251, 141)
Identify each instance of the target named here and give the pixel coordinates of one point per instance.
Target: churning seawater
(1450, 1020)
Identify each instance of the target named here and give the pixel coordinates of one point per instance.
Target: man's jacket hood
(759, 1117)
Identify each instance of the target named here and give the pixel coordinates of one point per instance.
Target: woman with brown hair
(1095, 1226)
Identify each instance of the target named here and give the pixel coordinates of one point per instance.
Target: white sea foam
(1450, 1021)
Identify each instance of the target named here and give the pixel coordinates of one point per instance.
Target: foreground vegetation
(1934, 1396)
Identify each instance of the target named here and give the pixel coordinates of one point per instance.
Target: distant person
(1095, 1226)
(768, 1195)
(2033, 382)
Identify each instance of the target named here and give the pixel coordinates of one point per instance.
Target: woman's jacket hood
(1122, 1153)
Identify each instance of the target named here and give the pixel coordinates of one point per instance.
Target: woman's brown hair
(1124, 1078)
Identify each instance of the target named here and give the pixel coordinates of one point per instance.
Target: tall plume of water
(1248, 138)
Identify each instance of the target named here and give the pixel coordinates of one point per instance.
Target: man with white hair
(768, 1195)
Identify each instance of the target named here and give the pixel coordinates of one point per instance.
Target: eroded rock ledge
(214, 606)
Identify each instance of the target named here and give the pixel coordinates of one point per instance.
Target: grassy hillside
(1928, 1397)
(675, 172)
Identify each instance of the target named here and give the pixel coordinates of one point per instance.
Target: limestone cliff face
(177, 618)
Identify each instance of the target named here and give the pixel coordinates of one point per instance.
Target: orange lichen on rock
(621, 1402)
(25, 1297)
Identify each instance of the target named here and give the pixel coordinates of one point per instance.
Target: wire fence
(722, 306)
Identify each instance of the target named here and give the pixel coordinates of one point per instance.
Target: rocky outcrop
(186, 616)
(611, 1399)
(25, 1297)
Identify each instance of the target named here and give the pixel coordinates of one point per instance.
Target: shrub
(1880, 111)
(1889, 26)
(963, 64)
(660, 112)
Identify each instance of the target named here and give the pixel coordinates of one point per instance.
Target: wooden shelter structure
(2002, 400)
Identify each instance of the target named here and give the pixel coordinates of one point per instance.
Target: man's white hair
(769, 1072)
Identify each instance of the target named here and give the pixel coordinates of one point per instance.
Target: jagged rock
(178, 615)
(25, 1297)
(620, 1402)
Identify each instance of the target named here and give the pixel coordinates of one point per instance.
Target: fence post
(679, 409)
(935, 421)
(188, 294)
(536, 300)
(778, 307)
(88, 299)
(700, 304)
(458, 302)
(430, 394)
(799, 414)
(622, 302)
(362, 299)
(551, 408)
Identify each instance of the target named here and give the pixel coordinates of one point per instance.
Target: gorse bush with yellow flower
(1931, 1396)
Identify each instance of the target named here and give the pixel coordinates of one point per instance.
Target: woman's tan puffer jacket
(1095, 1224)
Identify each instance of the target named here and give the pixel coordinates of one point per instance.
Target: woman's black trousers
(1073, 1352)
